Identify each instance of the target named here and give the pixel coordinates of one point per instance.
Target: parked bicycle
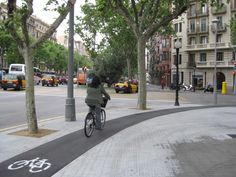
(90, 119)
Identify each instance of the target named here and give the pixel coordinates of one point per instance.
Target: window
(234, 4)
(176, 27)
(180, 27)
(219, 56)
(220, 23)
(203, 39)
(163, 42)
(180, 59)
(204, 8)
(192, 40)
(203, 25)
(192, 10)
(203, 57)
(191, 59)
(218, 38)
(192, 26)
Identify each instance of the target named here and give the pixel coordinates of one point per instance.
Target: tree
(8, 48)
(17, 26)
(116, 34)
(145, 18)
(110, 65)
(233, 31)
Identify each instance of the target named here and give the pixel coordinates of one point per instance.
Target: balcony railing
(220, 28)
(200, 13)
(220, 10)
(198, 30)
(205, 64)
(233, 7)
(219, 45)
(191, 64)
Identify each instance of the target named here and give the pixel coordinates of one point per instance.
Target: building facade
(202, 44)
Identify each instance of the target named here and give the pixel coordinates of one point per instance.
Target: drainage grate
(232, 135)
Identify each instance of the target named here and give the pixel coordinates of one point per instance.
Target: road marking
(35, 165)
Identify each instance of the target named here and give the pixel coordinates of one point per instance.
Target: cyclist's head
(95, 82)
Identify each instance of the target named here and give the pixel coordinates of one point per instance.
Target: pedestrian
(94, 98)
(162, 84)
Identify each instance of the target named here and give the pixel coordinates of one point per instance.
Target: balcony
(197, 30)
(220, 28)
(191, 64)
(200, 13)
(191, 14)
(211, 64)
(220, 10)
(207, 46)
(233, 7)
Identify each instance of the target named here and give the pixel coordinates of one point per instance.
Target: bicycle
(90, 119)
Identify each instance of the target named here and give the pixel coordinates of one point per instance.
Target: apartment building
(78, 44)
(159, 61)
(202, 44)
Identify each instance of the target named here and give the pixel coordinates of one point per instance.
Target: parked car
(126, 87)
(63, 80)
(37, 80)
(15, 81)
(2, 74)
(49, 80)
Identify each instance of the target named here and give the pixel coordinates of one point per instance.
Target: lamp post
(177, 46)
(215, 22)
(194, 69)
(70, 101)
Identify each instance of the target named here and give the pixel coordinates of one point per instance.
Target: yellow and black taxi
(15, 81)
(49, 80)
(127, 86)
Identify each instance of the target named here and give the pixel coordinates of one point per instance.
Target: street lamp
(215, 22)
(193, 78)
(70, 101)
(178, 45)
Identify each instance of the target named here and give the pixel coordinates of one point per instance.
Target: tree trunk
(129, 68)
(142, 95)
(29, 93)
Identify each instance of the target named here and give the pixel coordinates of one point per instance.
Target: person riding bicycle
(94, 98)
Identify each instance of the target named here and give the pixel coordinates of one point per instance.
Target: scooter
(209, 88)
(188, 87)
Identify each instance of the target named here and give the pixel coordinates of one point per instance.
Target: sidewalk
(153, 147)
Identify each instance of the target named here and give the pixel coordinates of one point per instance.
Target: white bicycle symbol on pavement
(36, 165)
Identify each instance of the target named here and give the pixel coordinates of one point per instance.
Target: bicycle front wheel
(103, 117)
(89, 124)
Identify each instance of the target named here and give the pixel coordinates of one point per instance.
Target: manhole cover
(232, 135)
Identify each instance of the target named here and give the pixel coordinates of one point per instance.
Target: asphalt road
(50, 102)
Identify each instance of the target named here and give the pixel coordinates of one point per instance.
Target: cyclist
(94, 98)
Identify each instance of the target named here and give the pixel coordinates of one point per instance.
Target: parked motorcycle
(188, 87)
(208, 88)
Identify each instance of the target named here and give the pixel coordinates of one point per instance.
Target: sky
(49, 17)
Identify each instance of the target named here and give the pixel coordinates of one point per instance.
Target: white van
(17, 69)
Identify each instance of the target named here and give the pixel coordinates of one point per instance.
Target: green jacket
(94, 96)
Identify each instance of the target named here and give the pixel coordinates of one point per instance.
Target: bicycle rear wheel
(89, 124)
(103, 117)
